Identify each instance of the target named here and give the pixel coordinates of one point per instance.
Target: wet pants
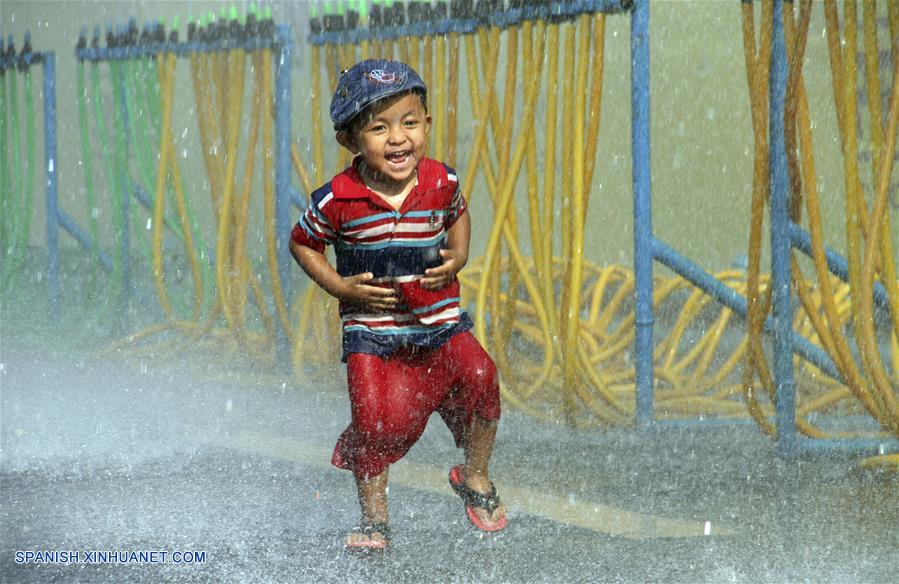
(392, 397)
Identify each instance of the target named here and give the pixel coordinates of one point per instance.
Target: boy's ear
(348, 141)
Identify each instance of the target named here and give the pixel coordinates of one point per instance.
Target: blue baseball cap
(368, 81)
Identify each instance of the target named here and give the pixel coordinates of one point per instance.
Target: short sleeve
(313, 229)
(456, 208)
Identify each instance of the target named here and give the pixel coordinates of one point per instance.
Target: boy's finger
(435, 272)
(378, 291)
(363, 277)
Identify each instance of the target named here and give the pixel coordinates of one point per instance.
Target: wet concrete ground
(137, 454)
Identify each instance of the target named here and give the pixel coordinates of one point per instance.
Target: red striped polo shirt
(397, 246)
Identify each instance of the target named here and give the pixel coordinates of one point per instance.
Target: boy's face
(393, 139)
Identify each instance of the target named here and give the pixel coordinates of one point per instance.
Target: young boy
(400, 228)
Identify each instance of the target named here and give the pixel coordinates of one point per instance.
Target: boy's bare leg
(477, 457)
(372, 493)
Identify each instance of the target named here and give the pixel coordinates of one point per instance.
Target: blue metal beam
(802, 241)
(736, 302)
(69, 224)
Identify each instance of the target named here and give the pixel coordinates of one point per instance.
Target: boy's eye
(411, 123)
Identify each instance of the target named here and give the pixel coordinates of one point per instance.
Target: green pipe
(17, 258)
(18, 203)
(88, 164)
(136, 147)
(5, 181)
(140, 131)
(99, 118)
(122, 189)
(16, 191)
(152, 93)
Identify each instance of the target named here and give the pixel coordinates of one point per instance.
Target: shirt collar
(349, 184)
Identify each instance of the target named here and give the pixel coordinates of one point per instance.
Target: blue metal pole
(780, 245)
(52, 196)
(643, 260)
(282, 165)
(282, 144)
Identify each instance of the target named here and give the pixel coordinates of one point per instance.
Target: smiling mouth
(398, 158)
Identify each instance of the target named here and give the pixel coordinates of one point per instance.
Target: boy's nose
(397, 135)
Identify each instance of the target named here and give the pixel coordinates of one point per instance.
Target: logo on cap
(382, 76)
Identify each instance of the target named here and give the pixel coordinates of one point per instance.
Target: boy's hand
(443, 275)
(356, 291)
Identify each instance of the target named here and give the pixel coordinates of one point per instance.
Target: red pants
(392, 398)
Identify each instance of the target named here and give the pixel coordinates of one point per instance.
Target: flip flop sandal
(369, 528)
(476, 499)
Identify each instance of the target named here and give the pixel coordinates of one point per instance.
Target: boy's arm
(351, 289)
(455, 256)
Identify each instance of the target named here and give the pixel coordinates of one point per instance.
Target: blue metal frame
(784, 235)
(49, 61)
(565, 9)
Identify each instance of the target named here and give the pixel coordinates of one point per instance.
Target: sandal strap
(488, 501)
(371, 527)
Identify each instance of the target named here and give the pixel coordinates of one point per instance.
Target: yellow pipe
(221, 71)
(223, 261)
(203, 101)
(865, 320)
(549, 169)
(413, 50)
(795, 42)
(504, 203)
(453, 89)
(843, 358)
(181, 202)
(439, 94)
(427, 52)
(481, 114)
(300, 169)
(757, 64)
(318, 155)
(599, 33)
(532, 181)
(854, 199)
(242, 266)
(505, 313)
(575, 266)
